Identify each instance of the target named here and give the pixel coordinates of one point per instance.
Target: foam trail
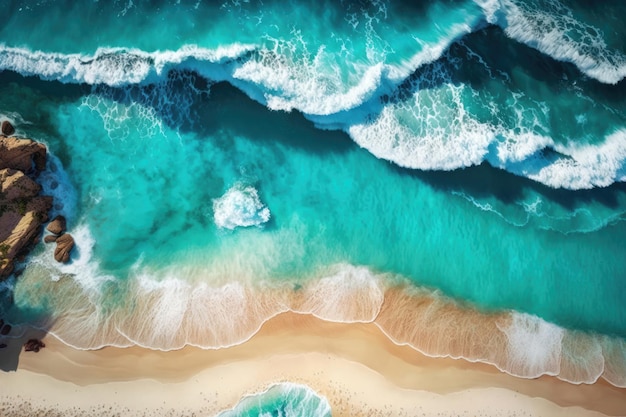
(614, 352)
(352, 294)
(282, 82)
(409, 133)
(516, 343)
(551, 28)
(581, 358)
(534, 346)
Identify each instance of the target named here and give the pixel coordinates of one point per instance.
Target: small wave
(541, 214)
(285, 399)
(170, 309)
(516, 343)
(240, 207)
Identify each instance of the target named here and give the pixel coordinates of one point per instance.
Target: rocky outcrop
(65, 244)
(23, 155)
(57, 226)
(7, 128)
(34, 345)
(22, 209)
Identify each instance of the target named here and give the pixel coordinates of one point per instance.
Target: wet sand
(355, 366)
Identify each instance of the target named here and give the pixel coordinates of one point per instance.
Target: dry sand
(354, 366)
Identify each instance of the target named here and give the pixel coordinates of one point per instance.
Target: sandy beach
(354, 366)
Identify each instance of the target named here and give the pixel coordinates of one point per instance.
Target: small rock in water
(34, 345)
(65, 243)
(6, 329)
(7, 128)
(57, 226)
(50, 238)
(3, 345)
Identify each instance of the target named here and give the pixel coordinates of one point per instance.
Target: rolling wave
(413, 111)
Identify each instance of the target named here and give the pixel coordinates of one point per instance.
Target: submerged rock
(34, 345)
(65, 243)
(5, 330)
(58, 225)
(7, 128)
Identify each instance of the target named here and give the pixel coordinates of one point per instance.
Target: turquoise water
(214, 166)
(282, 400)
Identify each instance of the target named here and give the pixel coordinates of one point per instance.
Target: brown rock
(40, 156)
(21, 234)
(5, 330)
(50, 238)
(21, 154)
(7, 128)
(22, 210)
(65, 243)
(15, 185)
(57, 226)
(34, 345)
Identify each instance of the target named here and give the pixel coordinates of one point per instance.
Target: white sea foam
(411, 134)
(308, 89)
(82, 267)
(116, 66)
(351, 294)
(534, 346)
(554, 31)
(388, 138)
(432, 130)
(582, 360)
(177, 306)
(582, 166)
(241, 206)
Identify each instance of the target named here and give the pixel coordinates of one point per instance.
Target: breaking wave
(433, 121)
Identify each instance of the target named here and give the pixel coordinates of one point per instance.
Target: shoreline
(355, 366)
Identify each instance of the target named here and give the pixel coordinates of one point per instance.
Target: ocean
(453, 171)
